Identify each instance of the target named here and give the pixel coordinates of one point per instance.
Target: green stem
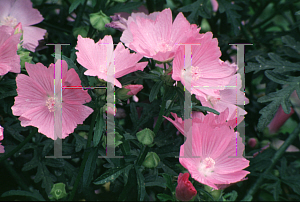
(165, 67)
(80, 13)
(27, 139)
(274, 160)
(159, 121)
(86, 155)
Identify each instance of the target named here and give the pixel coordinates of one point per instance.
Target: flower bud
(185, 190)
(98, 20)
(121, 94)
(58, 191)
(145, 136)
(279, 119)
(151, 160)
(253, 142)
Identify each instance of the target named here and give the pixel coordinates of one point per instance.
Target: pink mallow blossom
(134, 89)
(156, 36)
(228, 98)
(1, 138)
(35, 103)
(9, 60)
(208, 159)
(96, 59)
(13, 12)
(207, 73)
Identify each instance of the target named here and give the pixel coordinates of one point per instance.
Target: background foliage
(272, 74)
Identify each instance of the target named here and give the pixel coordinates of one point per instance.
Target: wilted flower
(36, 104)
(9, 60)
(95, 58)
(155, 36)
(208, 160)
(14, 11)
(185, 190)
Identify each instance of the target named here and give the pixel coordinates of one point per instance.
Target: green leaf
(233, 195)
(126, 174)
(80, 142)
(75, 4)
(276, 98)
(203, 108)
(291, 42)
(11, 93)
(165, 197)
(155, 90)
(90, 167)
(144, 75)
(55, 163)
(46, 177)
(160, 182)
(231, 12)
(277, 63)
(127, 7)
(100, 124)
(281, 78)
(32, 163)
(133, 114)
(169, 182)
(198, 8)
(140, 183)
(110, 175)
(35, 194)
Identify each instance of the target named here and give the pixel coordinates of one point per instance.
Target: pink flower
(208, 159)
(134, 89)
(210, 119)
(207, 70)
(185, 190)
(227, 98)
(35, 103)
(94, 57)
(279, 119)
(14, 11)
(215, 5)
(9, 60)
(155, 36)
(1, 138)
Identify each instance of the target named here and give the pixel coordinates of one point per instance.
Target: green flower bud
(145, 136)
(215, 193)
(98, 20)
(58, 191)
(151, 160)
(121, 93)
(83, 31)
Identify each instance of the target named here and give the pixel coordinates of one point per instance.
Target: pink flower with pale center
(97, 60)
(134, 89)
(210, 119)
(1, 138)
(156, 36)
(208, 159)
(185, 190)
(14, 11)
(207, 73)
(228, 98)
(36, 104)
(9, 60)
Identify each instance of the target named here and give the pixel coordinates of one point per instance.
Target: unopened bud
(151, 160)
(145, 136)
(98, 20)
(58, 191)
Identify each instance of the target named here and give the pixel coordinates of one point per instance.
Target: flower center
(164, 47)
(191, 73)
(9, 21)
(206, 166)
(50, 104)
(213, 100)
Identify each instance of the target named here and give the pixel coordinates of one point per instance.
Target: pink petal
(22, 10)
(31, 37)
